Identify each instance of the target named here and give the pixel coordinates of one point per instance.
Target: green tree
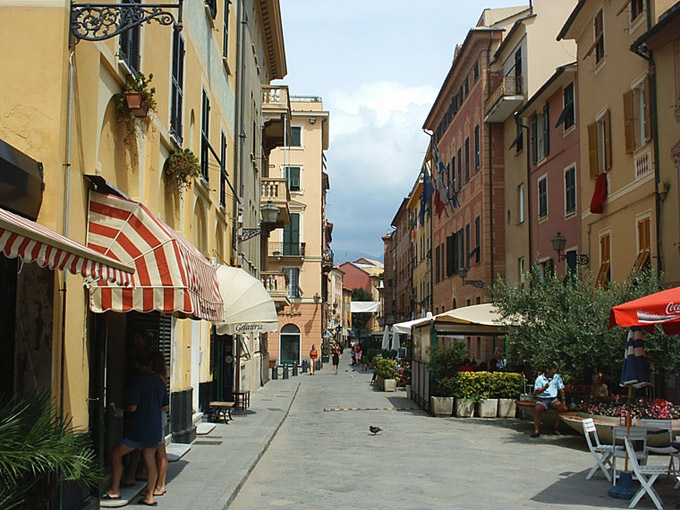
(360, 320)
(567, 323)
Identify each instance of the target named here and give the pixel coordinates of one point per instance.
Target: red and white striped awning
(33, 242)
(171, 276)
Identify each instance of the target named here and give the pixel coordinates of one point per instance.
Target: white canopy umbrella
(248, 307)
(386, 338)
(405, 327)
(395, 340)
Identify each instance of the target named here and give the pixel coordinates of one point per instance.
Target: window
(177, 92)
(475, 71)
(478, 239)
(453, 173)
(460, 249)
(637, 114)
(291, 236)
(451, 268)
(519, 138)
(546, 268)
(292, 175)
(637, 7)
(460, 169)
(467, 159)
(223, 170)
(543, 198)
(477, 151)
(293, 281)
(644, 235)
(296, 136)
(437, 264)
(598, 41)
(205, 135)
(212, 7)
(467, 85)
(540, 134)
(567, 117)
(520, 203)
(129, 45)
(520, 270)
(604, 273)
(599, 145)
(467, 245)
(518, 66)
(461, 95)
(443, 253)
(570, 191)
(225, 29)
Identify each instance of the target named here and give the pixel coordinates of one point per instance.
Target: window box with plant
(181, 168)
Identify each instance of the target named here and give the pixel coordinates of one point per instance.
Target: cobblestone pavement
(323, 456)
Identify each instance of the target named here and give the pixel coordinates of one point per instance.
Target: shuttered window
(543, 198)
(443, 261)
(292, 175)
(478, 239)
(467, 159)
(570, 191)
(478, 158)
(177, 84)
(223, 170)
(637, 116)
(205, 135)
(451, 268)
(599, 145)
(534, 139)
(291, 236)
(437, 266)
(130, 44)
(467, 245)
(460, 169)
(225, 29)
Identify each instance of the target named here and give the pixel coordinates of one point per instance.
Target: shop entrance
(224, 367)
(290, 345)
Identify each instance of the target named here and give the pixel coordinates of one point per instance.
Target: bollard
(275, 373)
(285, 371)
(304, 366)
(295, 369)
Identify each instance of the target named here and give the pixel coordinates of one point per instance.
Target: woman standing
(159, 367)
(313, 355)
(335, 352)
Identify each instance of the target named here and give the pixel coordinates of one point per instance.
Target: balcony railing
(275, 97)
(275, 188)
(278, 249)
(275, 283)
(509, 86)
(643, 164)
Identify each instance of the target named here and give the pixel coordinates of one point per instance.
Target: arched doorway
(290, 344)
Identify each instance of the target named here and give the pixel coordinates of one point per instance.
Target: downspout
(492, 267)
(67, 204)
(649, 57)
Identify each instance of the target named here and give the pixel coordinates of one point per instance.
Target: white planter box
(408, 391)
(390, 385)
(487, 408)
(465, 408)
(442, 406)
(506, 408)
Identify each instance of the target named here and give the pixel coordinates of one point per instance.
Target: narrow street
(329, 459)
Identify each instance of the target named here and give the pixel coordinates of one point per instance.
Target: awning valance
(172, 276)
(365, 307)
(33, 242)
(248, 307)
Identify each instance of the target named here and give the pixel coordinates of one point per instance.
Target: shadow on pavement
(174, 469)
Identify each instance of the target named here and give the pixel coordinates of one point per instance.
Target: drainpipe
(649, 57)
(492, 252)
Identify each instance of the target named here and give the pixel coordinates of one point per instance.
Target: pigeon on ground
(374, 430)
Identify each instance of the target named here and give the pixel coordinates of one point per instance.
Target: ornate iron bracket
(97, 22)
(249, 233)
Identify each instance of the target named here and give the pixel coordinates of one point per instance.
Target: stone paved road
(329, 460)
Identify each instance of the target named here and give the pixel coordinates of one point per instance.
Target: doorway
(290, 345)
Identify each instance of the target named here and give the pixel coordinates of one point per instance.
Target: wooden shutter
(602, 275)
(534, 139)
(592, 150)
(546, 130)
(450, 251)
(607, 140)
(644, 235)
(629, 121)
(648, 109)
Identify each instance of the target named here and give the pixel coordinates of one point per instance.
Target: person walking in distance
(313, 355)
(335, 352)
(146, 398)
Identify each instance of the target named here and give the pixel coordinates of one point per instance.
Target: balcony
(277, 286)
(286, 250)
(275, 190)
(504, 100)
(276, 115)
(327, 260)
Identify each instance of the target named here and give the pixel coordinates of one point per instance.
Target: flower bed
(657, 409)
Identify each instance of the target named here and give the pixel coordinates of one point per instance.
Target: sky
(378, 66)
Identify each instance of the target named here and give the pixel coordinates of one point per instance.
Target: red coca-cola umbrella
(658, 308)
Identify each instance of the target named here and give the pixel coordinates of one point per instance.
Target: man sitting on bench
(549, 391)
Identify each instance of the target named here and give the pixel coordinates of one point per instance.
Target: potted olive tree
(444, 363)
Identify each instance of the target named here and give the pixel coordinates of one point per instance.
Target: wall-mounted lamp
(559, 242)
(463, 272)
(317, 298)
(312, 120)
(270, 214)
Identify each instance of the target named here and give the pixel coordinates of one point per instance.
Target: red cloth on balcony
(599, 195)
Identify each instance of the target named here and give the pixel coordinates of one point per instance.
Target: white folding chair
(666, 426)
(638, 436)
(646, 475)
(601, 452)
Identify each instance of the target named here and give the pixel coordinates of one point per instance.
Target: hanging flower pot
(137, 99)
(181, 168)
(136, 103)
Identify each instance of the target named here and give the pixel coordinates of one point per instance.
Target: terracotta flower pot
(135, 103)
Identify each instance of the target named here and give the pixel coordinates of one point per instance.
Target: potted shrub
(487, 404)
(386, 371)
(325, 352)
(443, 366)
(39, 449)
(507, 386)
(466, 393)
(181, 168)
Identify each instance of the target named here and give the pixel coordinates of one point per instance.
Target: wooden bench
(221, 411)
(242, 399)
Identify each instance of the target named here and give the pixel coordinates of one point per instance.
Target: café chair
(601, 452)
(638, 437)
(646, 475)
(663, 427)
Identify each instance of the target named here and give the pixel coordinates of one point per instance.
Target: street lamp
(463, 272)
(559, 242)
(270, 214)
